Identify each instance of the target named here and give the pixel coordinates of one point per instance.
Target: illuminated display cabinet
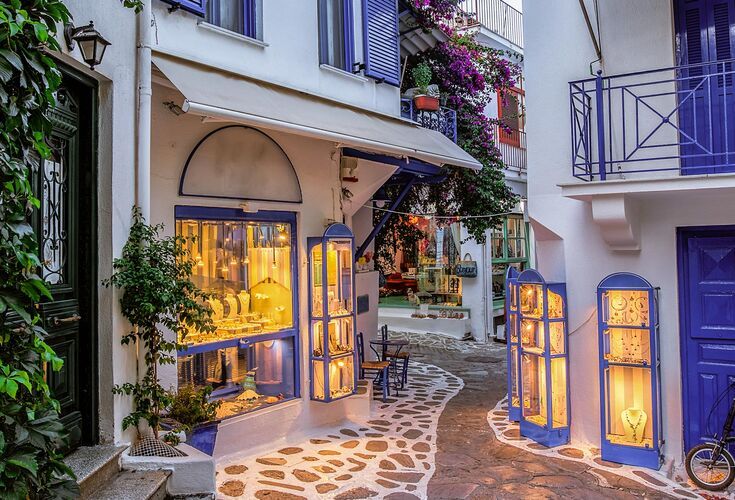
(332, 314)
(544, 366)
(629, 370)
(512, 325)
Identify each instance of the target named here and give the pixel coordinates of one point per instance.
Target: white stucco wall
(289, 55)
(635, 36)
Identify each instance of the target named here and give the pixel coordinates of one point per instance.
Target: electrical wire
(433, 216)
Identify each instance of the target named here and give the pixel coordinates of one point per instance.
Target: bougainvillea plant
(468, 75)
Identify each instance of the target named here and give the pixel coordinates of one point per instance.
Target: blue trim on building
(513, 327)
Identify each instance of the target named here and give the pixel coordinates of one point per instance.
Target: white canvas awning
(213, 93)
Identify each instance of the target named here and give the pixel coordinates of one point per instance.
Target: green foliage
(191, 406)
(30, 431)
(421, 74)
(154, 273)
(136, 5)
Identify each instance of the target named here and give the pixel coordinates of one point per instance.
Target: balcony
(512, 146)
(650, 135)
(444, 120)
(660, 123)
(495, 15)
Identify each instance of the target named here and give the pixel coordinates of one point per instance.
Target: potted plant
(192, 411)
(422, 79)
(158, 297)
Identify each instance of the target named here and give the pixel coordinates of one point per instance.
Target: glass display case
(245, 262)
(513, 346)
(332, 314)
(544, 361)
(629, 371)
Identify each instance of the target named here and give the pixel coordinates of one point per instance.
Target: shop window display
(543, 371)
(245, 262)
(509, 248)
(629, 371)
(512, 326)
(332, 325)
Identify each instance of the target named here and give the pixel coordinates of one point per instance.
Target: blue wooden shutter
(380, 37)
(198, 7)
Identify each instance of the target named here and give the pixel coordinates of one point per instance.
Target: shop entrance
(707, 326)
(66, 226)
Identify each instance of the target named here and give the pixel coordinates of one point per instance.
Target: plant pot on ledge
(426, 103)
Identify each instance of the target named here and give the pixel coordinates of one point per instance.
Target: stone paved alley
(403, 455)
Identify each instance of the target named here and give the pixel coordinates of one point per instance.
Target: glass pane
(559, 392)
(227, 14)
(532, 300)
(534, 389)
(244, 378)
(246, 268)
(341, 377)
(512, 325)
(332, 42)
(626, 307)
(317, 338)
(532, 335)
(497, 244)
(628, 345)
(516, 249)
(317, 299)
(628, 412)
(339, 277)
(317, 377)
(513, 296)
(556, 305)
(341, 333)
(54, 205)
(557, 339)
(515, 401)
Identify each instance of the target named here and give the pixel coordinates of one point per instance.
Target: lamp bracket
(70, 31)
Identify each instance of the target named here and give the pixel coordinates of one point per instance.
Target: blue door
(706, 45)
(707, 305)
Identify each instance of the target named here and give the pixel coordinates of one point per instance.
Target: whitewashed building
(253, 125)
(630, 149)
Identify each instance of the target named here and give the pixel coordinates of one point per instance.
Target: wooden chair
(380, 368)
(395, 357)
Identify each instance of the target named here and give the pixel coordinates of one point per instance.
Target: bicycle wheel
(709, 474)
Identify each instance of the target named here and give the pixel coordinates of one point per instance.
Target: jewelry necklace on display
(634, 428)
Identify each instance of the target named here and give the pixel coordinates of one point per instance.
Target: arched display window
(544, 363)
(630, 394)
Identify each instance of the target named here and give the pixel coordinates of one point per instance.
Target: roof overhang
(211, 92)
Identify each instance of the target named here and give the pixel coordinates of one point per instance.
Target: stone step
(94, 466)
(134, 485)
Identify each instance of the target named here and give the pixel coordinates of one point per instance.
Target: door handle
(74, 318)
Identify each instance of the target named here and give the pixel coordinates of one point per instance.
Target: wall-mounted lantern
(92, 45)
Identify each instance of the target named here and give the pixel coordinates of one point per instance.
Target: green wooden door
(66, 226)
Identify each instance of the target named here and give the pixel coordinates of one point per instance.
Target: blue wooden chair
(380, 368)
(395, 357)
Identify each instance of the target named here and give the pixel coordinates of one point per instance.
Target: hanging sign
(466, 268)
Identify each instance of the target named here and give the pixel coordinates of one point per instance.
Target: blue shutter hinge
(357, 67)
(174, 7)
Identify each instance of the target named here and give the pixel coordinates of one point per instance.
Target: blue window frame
(248, 263)
(336, 34)
(238, 16)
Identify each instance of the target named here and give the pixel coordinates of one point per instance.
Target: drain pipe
(145, 91)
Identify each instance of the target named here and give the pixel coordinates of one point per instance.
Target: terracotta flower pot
(426, 103)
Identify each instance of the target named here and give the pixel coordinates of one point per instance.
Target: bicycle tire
(719, 485)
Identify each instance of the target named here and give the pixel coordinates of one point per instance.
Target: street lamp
(92, 45)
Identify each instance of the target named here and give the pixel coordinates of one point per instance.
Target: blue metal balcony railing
(444, 120)
(679, 119)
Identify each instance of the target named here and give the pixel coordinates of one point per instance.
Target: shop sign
(466, 268)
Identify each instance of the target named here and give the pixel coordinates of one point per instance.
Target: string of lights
(433, 216)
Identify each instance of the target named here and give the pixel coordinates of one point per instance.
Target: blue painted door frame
(706, 258)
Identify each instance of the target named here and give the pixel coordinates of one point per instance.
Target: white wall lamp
(92, 44)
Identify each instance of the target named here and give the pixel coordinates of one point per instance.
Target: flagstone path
(390, 455)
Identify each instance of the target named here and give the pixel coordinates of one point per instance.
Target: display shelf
(544, 363)
(630, 403)
(512, 326)
(332, 326)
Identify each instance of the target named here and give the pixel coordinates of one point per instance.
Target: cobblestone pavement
(390, 455)
(472, 463)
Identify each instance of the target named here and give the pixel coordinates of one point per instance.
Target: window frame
(266, 216)
(348, 35)
(514, 137)
(505, 260)
(249, 18)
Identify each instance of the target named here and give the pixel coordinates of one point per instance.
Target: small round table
(384, 345)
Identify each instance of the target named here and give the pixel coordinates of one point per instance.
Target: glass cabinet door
(317, 296)
(339, 277)
(534, 389)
